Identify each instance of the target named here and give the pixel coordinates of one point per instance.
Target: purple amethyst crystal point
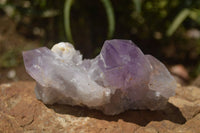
(125, 66)
(121, 77)
(34, 64)
(161, 80)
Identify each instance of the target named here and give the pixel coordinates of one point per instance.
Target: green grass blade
(137, 5)
(111, 17)
(195, 15)
(177, 21)
(67, 8)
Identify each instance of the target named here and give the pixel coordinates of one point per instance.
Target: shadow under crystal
(140, 117)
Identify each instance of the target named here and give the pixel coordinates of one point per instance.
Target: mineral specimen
(121, 77)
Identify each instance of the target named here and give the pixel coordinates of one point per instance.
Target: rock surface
(21, 112)
(196, 82)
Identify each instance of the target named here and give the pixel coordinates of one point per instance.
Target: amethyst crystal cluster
(121, 77)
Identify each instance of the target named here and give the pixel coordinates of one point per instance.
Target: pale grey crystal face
(121, 77)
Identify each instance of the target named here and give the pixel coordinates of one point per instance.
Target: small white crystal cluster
(118, 79)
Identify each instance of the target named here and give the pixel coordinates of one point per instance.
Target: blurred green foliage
(9, 58)
(169, 29)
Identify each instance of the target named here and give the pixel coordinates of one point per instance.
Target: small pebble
(11, 74)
